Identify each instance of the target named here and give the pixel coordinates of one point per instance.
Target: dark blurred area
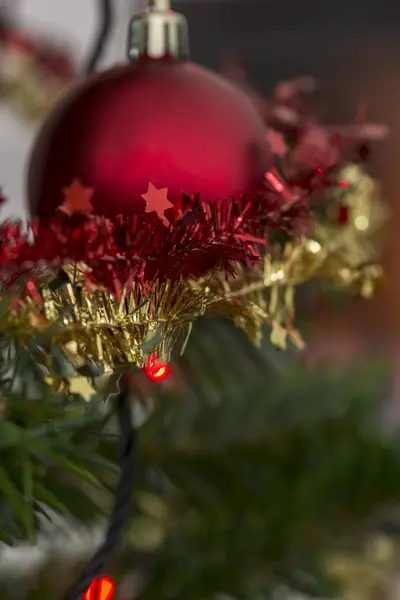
(334, 42)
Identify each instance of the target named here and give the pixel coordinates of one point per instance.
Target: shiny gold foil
(95, 327)
(368, 574)
(30, 95)
(343, 255)
(348, 254)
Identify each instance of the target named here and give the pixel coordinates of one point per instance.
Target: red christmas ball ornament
(158, 120)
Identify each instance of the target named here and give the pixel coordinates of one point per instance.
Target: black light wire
(123, 493)
(106, 19)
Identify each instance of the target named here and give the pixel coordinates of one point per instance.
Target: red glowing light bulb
(156, 370)
(102, 589)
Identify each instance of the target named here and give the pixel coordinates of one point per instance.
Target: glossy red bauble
(173, 124)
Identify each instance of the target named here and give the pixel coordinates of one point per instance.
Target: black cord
(106, 23)
(123, 495)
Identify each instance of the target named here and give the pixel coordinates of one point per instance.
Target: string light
(100, 589)
(156, 370)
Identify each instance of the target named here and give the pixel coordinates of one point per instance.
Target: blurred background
(353, 51)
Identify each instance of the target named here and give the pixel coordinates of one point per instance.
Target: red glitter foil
(199, 238)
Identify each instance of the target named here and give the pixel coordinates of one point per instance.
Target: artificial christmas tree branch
(48, 439)
(267, 482)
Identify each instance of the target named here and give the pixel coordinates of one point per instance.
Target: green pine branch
(48, 443)
(266, 471)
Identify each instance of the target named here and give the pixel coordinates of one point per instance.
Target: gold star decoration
(157, 201)
(77, 198)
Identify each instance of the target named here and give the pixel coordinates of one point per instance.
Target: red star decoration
(157, 201)
(77, 198)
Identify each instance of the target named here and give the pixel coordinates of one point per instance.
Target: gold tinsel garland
(96, 327)
(343, 255)
(370, 573)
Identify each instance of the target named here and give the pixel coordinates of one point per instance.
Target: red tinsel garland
(199, 238)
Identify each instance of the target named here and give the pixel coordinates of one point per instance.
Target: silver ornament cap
(158, 32)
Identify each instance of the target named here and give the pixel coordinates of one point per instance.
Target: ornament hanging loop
(158, 32)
